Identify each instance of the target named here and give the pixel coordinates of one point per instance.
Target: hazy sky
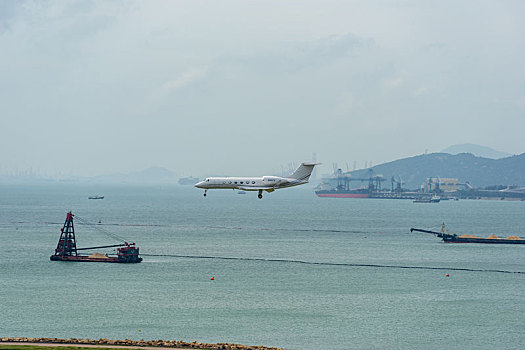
(243, 87)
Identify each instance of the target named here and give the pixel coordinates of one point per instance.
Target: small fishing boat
(96, 197)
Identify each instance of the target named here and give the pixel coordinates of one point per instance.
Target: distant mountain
(477, 150)
(478, 171)
(150, 175)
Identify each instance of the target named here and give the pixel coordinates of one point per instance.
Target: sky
(248, 87)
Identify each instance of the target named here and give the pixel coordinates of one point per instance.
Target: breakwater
(139, 343)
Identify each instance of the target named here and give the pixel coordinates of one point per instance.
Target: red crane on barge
(67, 250)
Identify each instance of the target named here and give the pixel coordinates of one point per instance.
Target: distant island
(432, 177)
(496, 169)
(153, 175)
(478, 171)
(477, 150)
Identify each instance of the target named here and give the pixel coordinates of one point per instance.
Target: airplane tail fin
(303, 172)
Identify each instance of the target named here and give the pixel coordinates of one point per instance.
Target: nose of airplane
(199, 184)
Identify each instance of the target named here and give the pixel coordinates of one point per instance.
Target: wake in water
(331, 264)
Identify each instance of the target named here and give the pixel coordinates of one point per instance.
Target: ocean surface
(290, 270)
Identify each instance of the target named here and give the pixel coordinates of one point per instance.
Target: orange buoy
(447, 275)
(213, 278)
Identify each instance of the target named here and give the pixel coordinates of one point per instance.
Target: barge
(67, 250)
(464, 238)
(492, 239)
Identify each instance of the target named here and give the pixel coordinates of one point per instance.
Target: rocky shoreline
(141, 343)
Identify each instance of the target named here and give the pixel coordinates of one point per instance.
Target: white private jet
(266, 183)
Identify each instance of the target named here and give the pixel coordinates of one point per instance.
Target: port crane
(398, 182)
(343, 180)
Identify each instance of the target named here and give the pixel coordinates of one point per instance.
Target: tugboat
(67, 250)
(434, 199)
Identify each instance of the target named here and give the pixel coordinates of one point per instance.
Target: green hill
(478, 171)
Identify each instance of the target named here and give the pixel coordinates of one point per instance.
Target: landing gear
(205, 192)
(260, 194)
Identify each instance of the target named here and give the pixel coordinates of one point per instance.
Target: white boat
(426, 199)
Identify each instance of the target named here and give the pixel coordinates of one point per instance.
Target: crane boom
(103, 246)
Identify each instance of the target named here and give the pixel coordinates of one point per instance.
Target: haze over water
(100, 87)
(296, 277)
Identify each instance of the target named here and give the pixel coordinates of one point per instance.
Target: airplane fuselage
(267, 183)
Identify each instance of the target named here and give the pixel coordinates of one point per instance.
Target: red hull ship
(343, 194)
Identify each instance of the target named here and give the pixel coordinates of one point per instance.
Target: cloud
(335, 46)
(342, 73)
(420, 91)
(183, 80)
(521, 102)
(393, 82)
(170, 87)
(345, 104)
(7, 14)
(297, 56)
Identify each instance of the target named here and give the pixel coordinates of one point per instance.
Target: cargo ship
(464, 238)
(343, 193)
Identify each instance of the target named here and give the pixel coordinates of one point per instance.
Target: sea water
(290, 270)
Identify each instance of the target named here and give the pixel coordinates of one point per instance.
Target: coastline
(128, 343)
